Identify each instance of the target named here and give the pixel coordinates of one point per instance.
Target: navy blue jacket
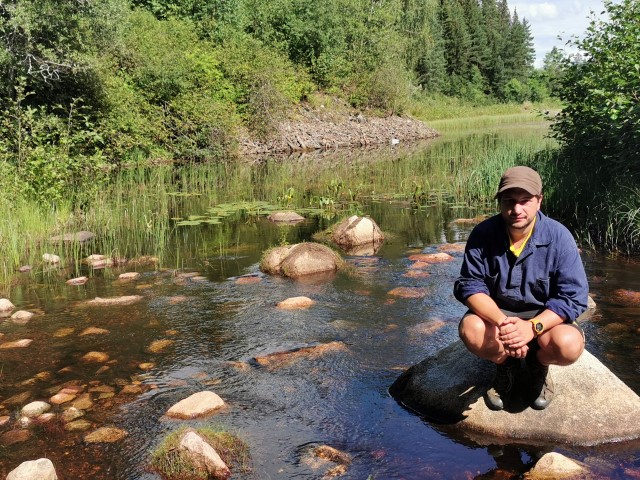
(547, 274)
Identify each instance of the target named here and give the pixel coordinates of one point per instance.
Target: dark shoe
(500, 390)
(541, 383)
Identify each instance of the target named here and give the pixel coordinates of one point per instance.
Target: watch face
(539, 327)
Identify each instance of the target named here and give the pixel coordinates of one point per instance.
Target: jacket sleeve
(570, 293)
(472, 273)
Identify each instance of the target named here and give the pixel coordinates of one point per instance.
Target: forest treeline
(87, 84)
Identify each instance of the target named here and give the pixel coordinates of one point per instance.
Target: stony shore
(321, 129)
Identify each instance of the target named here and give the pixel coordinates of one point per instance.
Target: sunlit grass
(172, 464)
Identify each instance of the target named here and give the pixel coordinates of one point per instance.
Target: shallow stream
(218, 324)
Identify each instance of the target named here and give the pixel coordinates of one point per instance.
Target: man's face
(518, 208)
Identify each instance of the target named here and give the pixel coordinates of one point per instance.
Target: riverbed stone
(71, 414)
(77, 281)
(63, 332)
(82, 236)
(41, 469)
(129, 276)
(94, 331)
(591, 406)
(23, 343)
(295, 303)
(281, 359)
(21, 317)
(408, 292)
(25, 268)
(146, 366)
(6, 305)
(248, 280)
(95, 357)
(105, 435)
(46, 417)
(17, 399)
(114, 301)
(302, 259)
(83, 402)
(627, 298)
(197, 405)
(50, 258)
(202, 455)
(555, 466)
(355, 231)
(34, 409)
(4, 419)
(440, 257)
(62, 397)
(80, 425)
(452, 247)
(159, 346)
(14, 436)
(285, 217)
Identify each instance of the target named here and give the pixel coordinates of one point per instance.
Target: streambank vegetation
(90, 89)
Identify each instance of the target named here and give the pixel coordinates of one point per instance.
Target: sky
(553, 18)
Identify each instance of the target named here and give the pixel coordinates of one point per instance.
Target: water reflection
(217, 324)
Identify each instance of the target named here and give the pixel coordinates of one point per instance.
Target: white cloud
(562, 18)
(536, 11)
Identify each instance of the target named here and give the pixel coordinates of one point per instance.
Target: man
(524, 284)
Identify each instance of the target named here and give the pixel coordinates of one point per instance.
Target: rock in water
(355, 231)
(197, 405)
(203, 456)
(41, 469)
(554, 466)
(592, 406)
(285, 217)
(302, 259)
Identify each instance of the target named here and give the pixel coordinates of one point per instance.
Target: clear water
(339, 398)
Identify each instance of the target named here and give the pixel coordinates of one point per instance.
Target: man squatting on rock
(524, 284)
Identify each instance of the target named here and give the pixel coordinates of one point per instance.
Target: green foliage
(53, 157)
(601, 121)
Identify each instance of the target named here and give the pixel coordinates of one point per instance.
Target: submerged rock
(41, 469)
(95, 357)
(592, 406)
(22, 317)
(627, 298)
(408, 292)
(6, 305)
(203, 456)
(34, 409)
(14, 436)
(302, 259)
(129, 276)
(25, 342)
(94, 331)
(280, 359)
(355, 231)
(113, 301)
(159, 346)
(77, 281)
(105, 435)
(431, 257)
(295, 303)
(197, 405)
(285, 217)
(554, 466)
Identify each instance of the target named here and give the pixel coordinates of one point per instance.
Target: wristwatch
(538, 326)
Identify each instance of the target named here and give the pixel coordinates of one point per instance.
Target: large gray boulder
(592, 406)
(301, 259)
